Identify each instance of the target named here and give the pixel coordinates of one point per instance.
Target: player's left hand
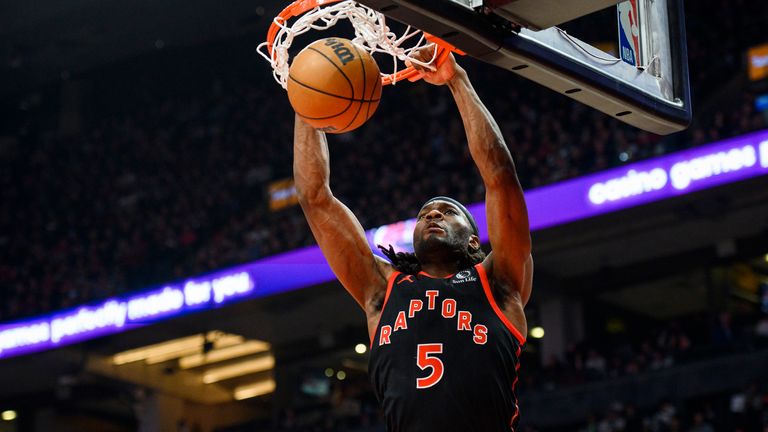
(443, 73)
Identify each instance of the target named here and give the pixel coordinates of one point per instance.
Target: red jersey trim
(489, 295)
(390, 284)
(514, 391)
(435, 277)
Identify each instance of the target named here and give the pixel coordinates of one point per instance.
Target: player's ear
(474, 243)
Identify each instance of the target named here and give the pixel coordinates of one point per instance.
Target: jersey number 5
(425, 359)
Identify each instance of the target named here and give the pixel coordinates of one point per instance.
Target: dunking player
(446, 323)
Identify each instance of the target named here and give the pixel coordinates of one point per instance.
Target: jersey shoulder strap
(496, 309)
(390, 283)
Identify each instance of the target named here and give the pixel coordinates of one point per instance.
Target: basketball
(334, 85)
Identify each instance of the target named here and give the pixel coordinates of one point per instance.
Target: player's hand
(443, 73)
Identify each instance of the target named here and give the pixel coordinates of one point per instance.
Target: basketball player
(446, 323)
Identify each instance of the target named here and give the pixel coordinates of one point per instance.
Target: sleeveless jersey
(444, 357)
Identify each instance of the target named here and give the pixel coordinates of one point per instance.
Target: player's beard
(437, 248)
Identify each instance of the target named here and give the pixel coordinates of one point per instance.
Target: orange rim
(298, 7)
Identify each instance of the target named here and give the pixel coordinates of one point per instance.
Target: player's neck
(442, 260)
(440, 270)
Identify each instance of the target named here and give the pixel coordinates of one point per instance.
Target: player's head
(443, 202)
(445, 229)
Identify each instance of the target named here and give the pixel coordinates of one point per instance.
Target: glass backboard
(522, 36)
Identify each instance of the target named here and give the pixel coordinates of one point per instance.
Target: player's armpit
(503, 286)
(510, 297)
(525, 290)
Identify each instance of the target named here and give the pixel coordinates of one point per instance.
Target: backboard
(521, 36)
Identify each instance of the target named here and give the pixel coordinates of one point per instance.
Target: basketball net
(371, 34)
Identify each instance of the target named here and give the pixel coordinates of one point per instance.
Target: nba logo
(629, 32)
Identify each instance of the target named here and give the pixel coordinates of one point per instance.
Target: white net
(371, 33)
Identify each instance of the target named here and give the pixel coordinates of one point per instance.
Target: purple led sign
(120, 313)
(608, 191)
(635, 184)
(653, 180)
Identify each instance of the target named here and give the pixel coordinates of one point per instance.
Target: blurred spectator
(722, 332)
(700, 425)
(761, 331)
(614, 420)
(594, 365)
(665, 419)
(673, 341)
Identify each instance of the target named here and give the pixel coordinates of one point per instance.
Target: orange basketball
(334, 85)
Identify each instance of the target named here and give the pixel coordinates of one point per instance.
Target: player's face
(441, 224)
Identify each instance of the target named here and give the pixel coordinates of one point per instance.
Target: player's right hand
(442, 73)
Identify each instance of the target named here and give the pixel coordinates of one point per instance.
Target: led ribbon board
(616, 189)
(635, 184)
(680, 173)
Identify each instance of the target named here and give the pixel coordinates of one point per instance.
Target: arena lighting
(9, 415)
(246, 367)
(361, 348)
(631, 185)
(144, 353)
(537, 332)
(222, 341)
(175, 348)
(258, 388)
(341, 375)
(329, 372)
(221, 354)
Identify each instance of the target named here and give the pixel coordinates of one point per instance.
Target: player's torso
(442, 359)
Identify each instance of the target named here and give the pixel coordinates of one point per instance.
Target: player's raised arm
(510, 261)
(508, 228)
(336, 229)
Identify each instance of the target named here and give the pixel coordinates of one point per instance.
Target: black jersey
(444, 357)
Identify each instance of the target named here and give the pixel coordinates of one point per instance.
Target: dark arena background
(156, 273)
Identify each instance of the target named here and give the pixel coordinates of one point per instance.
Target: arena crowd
(165, 184)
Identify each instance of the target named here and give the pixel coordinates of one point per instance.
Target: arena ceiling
(45, 40)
